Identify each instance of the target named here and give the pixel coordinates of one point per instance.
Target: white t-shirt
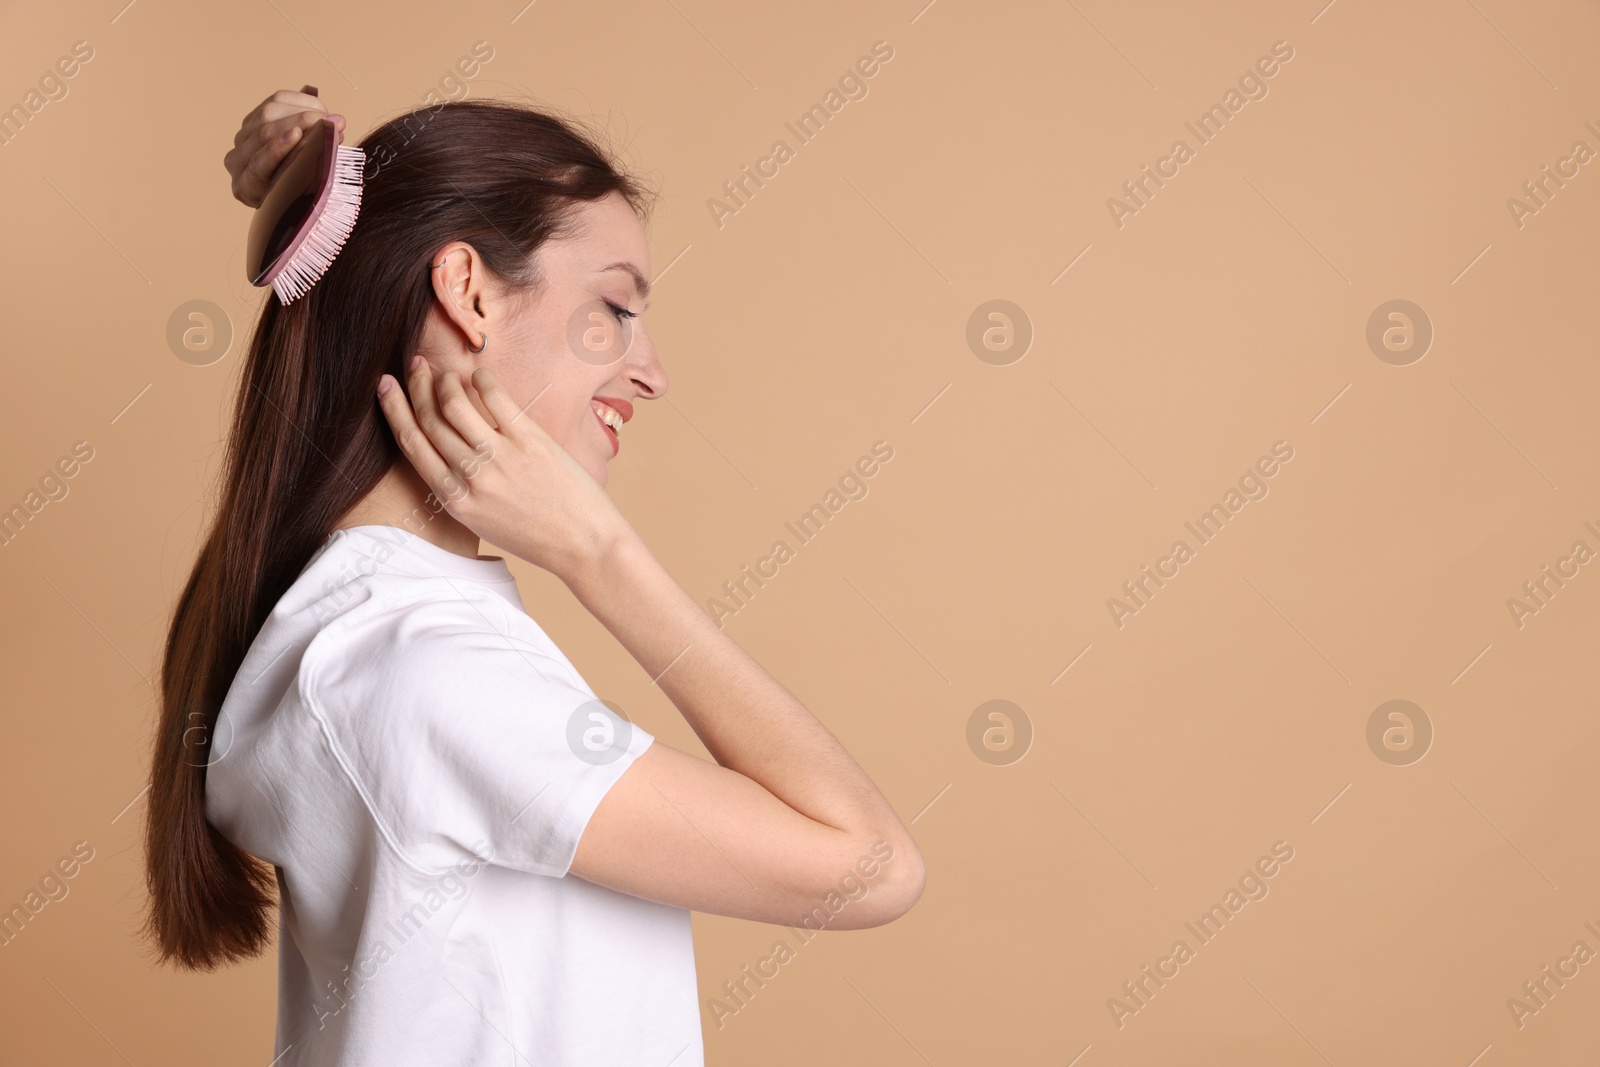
(419, 760)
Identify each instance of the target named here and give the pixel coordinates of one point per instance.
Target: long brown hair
(308, 441)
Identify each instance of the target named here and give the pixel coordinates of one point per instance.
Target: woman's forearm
(747, 720)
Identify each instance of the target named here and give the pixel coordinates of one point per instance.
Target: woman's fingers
(274, 131)
(250, 185)
(259, 146)
(279, 104)
(460, 412)
(414, 444)
(278, 139)
(283, 103)
(464, 415)
(507, 415)
(446, 439)
(287, 102)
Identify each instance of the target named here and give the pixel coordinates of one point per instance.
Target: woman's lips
(611, 435)
(621, 407)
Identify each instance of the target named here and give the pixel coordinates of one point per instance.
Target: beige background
(1228, 314)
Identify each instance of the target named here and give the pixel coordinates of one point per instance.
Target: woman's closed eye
(621, 312)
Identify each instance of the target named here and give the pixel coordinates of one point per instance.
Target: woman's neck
(401, 498)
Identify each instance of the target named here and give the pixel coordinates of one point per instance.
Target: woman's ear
(461, 284)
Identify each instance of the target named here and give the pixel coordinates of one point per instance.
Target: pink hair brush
(307, 213)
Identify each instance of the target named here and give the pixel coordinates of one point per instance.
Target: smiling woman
(391, 711)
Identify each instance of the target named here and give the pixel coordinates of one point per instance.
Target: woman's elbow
(908, 889)
(895, 891)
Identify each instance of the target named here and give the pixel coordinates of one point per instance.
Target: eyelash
(621, 313)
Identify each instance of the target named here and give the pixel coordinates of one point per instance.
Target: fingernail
(290, 134)
(385, 383)
(416, 361)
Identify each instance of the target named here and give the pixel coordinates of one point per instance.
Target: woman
(475, 859)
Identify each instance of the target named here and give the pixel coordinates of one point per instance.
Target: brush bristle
(315, 254)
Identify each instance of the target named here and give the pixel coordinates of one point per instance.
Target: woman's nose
(644, 368)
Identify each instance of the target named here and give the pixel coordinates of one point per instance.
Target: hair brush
(307, 213)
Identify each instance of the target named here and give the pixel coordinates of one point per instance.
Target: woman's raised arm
(785, 815)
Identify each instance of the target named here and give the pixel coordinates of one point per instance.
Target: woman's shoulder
(420, 633)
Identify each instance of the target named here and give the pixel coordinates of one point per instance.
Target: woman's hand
(268, 134)
(509, 483)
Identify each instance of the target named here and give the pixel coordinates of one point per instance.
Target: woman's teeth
(609, 417)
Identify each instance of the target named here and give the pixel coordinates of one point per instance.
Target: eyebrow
(640, 282)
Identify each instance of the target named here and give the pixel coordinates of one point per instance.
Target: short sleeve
(467, 741)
